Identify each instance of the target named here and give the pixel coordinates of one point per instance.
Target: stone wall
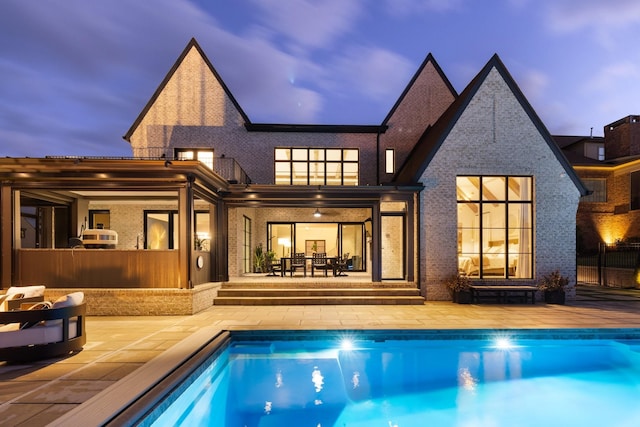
(144, 302)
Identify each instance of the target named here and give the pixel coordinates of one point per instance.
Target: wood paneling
(98, 268)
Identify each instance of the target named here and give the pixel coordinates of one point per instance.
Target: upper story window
(598, 188)
(204, 156)
(389, 160)
(316, 166)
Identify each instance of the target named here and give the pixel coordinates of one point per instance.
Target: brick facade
(494, 135)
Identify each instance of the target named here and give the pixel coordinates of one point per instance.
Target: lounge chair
(44, 330)
(17, 295)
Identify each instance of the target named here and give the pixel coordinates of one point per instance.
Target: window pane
(334, 174)
(283, 154)
(283, 173)
(299, 174)
(334, 155)
(389, 161)
(185, 155)
(350, 155)
(493, 188)
(203, 236)
(299, 154)
(316, 173)
(468, 188)
(520, 188)
(206, 157)
(157, 231)
(350, 173)
(598, 188)
(316, 154)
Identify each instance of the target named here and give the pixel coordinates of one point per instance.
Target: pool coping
(128, 401)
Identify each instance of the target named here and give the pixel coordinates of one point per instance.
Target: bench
(503, 294)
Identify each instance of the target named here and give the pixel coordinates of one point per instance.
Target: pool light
(503, 343)
(346, 344)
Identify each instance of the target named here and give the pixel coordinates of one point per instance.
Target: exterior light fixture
(317, 213)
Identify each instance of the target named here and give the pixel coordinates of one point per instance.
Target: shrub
(553, 282)
(457, 283)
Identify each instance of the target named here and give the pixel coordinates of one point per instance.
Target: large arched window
(495, 226)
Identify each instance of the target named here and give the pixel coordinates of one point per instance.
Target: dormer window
(204, 156)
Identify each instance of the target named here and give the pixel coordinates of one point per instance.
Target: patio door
(393, 246)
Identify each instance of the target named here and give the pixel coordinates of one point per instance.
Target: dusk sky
(75, 74)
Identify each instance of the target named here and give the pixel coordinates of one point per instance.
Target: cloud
(572, 15)
(604, 21)
(611, 76)
(373, 73)
(308, 23)
(407, 8)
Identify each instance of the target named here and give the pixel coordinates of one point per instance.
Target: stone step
(315, 292)
(341, 300)
(301, 284)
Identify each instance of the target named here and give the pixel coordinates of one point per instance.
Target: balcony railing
(226, 167)
(230, 170)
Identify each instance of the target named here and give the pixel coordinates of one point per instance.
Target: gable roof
(192, 44)
(433, 137)
(427, 60)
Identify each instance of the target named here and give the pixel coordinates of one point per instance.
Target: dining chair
(298, 261)
(319, 261)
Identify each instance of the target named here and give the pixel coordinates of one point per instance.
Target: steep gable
(430, 142)
(191, 94)
(426, 97)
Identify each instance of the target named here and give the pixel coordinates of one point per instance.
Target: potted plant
(553, 285)
(460, 288)
(258, 259)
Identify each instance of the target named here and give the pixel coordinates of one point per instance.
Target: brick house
(470, 183)
(611, 212)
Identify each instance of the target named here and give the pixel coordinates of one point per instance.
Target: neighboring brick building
(447, 183)
(611, 213)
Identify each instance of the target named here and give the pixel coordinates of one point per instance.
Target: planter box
(462, 297)
(554, 297)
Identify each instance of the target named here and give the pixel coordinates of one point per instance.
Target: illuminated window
(495, 226)
(389, 157)
(316, 166)
(204, 156)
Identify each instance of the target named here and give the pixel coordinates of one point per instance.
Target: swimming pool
(417, 378)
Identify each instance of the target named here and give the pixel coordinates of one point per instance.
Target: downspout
(378, 157)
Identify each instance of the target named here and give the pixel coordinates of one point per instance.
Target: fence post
(601, 251)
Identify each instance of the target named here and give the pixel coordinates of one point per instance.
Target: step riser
(318, 301)
(317, 285)
(318, 293)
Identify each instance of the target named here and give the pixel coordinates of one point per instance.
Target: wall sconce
(317, 213)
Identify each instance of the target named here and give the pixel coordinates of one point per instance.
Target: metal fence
(614, 265)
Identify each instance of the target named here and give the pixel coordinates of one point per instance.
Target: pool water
(413, 382)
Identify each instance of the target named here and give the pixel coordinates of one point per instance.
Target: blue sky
(74, 74)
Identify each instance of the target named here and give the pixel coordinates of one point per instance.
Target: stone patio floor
(133, 351)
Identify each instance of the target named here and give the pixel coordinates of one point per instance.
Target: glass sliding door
(280, 239)
(334, 239)
(352, 243)
(392, 245)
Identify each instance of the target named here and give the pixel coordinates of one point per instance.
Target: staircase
(318, 293)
